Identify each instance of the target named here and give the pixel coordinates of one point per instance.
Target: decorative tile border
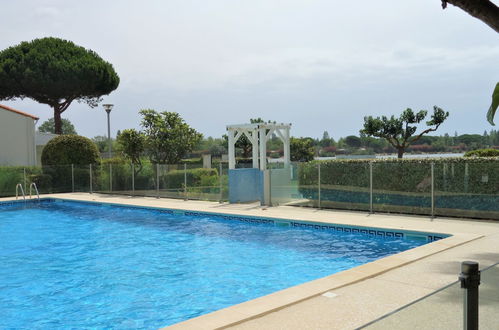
(375, 232)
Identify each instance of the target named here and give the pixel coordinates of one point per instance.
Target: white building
(17, 137)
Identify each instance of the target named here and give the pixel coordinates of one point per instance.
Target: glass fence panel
(440, 310)
(81, 175)
(54, 179)
(172, 181)
(10, 176)
(403, 187)
(488, 315)
(101, 178)
(284, 186)
(345, 185)
(202, 183)
(468, 189)
(121, 178)
(295, 185)
(145, 178)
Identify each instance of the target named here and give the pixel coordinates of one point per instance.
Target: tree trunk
(57, 120)
(484, 10)
(400, 152)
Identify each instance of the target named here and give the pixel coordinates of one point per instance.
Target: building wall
(17, 139)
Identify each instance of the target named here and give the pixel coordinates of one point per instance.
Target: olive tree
(132, 145)
(167, 137)
(401, 132)
(55, 72)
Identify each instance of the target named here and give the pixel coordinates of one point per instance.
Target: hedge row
(471, 175)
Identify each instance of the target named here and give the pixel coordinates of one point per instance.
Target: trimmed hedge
(70, 149)
(405, 183)
(482, 153)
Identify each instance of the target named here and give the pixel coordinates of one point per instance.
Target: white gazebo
(258, 134)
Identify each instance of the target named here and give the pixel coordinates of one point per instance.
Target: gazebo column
(254, 147)
(287, 152)
(232, 149)
(263, 149)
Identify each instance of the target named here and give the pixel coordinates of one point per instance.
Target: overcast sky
(319, 65)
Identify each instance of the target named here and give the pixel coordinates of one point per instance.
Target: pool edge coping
(281, 299)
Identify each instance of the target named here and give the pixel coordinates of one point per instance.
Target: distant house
(17, 137)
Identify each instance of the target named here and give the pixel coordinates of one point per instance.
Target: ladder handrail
(22, 190)
(36, 190)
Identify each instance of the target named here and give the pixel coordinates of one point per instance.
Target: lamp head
(108, 107)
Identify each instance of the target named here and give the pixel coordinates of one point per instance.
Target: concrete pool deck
(354, 297)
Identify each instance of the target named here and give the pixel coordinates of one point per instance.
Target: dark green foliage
(400, 132)
(48, 126)
(483, 153)
(70, 149)
(10, 176)
(132, 145)
(493, 106)
(168, 138)
(55, 72)
(302, 149)
(406, 175)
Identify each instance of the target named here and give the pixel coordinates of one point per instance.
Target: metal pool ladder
(31, 186)
(20, 186)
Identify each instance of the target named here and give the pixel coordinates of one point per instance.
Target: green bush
(482, 153)
(10, 176)
(60, 153)
(70, 149)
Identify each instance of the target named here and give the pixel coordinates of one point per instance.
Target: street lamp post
(108, 108)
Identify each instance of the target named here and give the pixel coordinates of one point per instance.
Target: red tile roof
(17, 111)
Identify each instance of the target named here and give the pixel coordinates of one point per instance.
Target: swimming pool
(78, 264)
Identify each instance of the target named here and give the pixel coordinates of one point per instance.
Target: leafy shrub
(482, 153)
(60, 153)
(70, 149)
(10, 176)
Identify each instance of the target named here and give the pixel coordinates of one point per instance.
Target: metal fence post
(319, 183)
(110, 177)
(432, 190)
(470, 280)
(72, 178)
(466, 177)
(133, 179)
(371, 187)
(157, 180)
(220, 181)
(90, 172)
(185, 181)
(24, 178)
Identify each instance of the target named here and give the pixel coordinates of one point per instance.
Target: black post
(470, 280)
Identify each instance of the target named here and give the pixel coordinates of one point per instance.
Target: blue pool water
(77, 265)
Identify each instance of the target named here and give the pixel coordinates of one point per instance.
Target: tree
(302, 149)
(55, 72)
(493, 106)
(484, 10)
(132, 144)
(48, 126)
(398, 131)
(167, 137)
(353, 141)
